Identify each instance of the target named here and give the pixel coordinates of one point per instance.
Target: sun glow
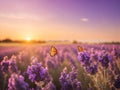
(28, 39)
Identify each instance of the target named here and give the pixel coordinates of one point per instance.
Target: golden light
(28, 39)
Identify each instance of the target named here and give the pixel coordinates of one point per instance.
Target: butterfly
(80, 49)
(53, 51)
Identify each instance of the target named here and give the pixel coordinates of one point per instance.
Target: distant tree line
(21, 41)
(42, 41)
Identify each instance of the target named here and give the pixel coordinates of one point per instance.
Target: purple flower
(84, 58)
(5, 65)
(69, 80)
(117, 83)
(49, 86)
(16, 82)
(92, 69)
(9, 65)
(104, 59)
(77, 85)
(50, 63)
(116, 53)
(37, 73)
(67, 86)
(13, 65)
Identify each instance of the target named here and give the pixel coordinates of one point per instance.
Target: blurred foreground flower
(104, 59)
(49, 86)
(38, 73)
(117, 83)
(16, 82)
(9, 65)
(69, 80)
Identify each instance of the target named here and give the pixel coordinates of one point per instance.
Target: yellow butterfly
(80, 49)
(53, 51)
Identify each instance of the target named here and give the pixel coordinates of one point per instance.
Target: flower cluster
(13, 65)
(117, 83)
(116, 53)
(51, 62)
(16, 82)
(84, 58)
(69, 80)
(92, 69)
(104, 60)
(99, 65)
(5, 64)
(37, 73)
(86, 62)
(49, 86)
(9, 65)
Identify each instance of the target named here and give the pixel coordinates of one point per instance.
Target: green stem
(104, 79)
(4, 83)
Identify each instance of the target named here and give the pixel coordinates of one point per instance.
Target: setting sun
(28, 39)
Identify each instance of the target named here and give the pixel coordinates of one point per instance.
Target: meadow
(59, 67)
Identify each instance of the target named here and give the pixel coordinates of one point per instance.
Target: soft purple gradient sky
(84, 20)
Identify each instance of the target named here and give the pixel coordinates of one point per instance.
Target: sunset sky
(83, 20)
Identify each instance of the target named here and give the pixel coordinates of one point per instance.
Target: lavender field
(72, 67)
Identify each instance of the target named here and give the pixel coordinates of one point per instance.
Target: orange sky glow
(56, 21)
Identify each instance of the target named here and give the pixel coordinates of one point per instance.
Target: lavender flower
(9, 65)
(116, 53)
(92, 69)
(77, 85)
(13, 65)
(50, 62)
(84, 58)
(5, 64)
(16, 82)
(104, 59)
(69, 81)
(38, 73)
(117, 83)
(49, 86)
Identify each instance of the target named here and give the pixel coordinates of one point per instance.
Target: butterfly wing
(53, 51)
(80, 49)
